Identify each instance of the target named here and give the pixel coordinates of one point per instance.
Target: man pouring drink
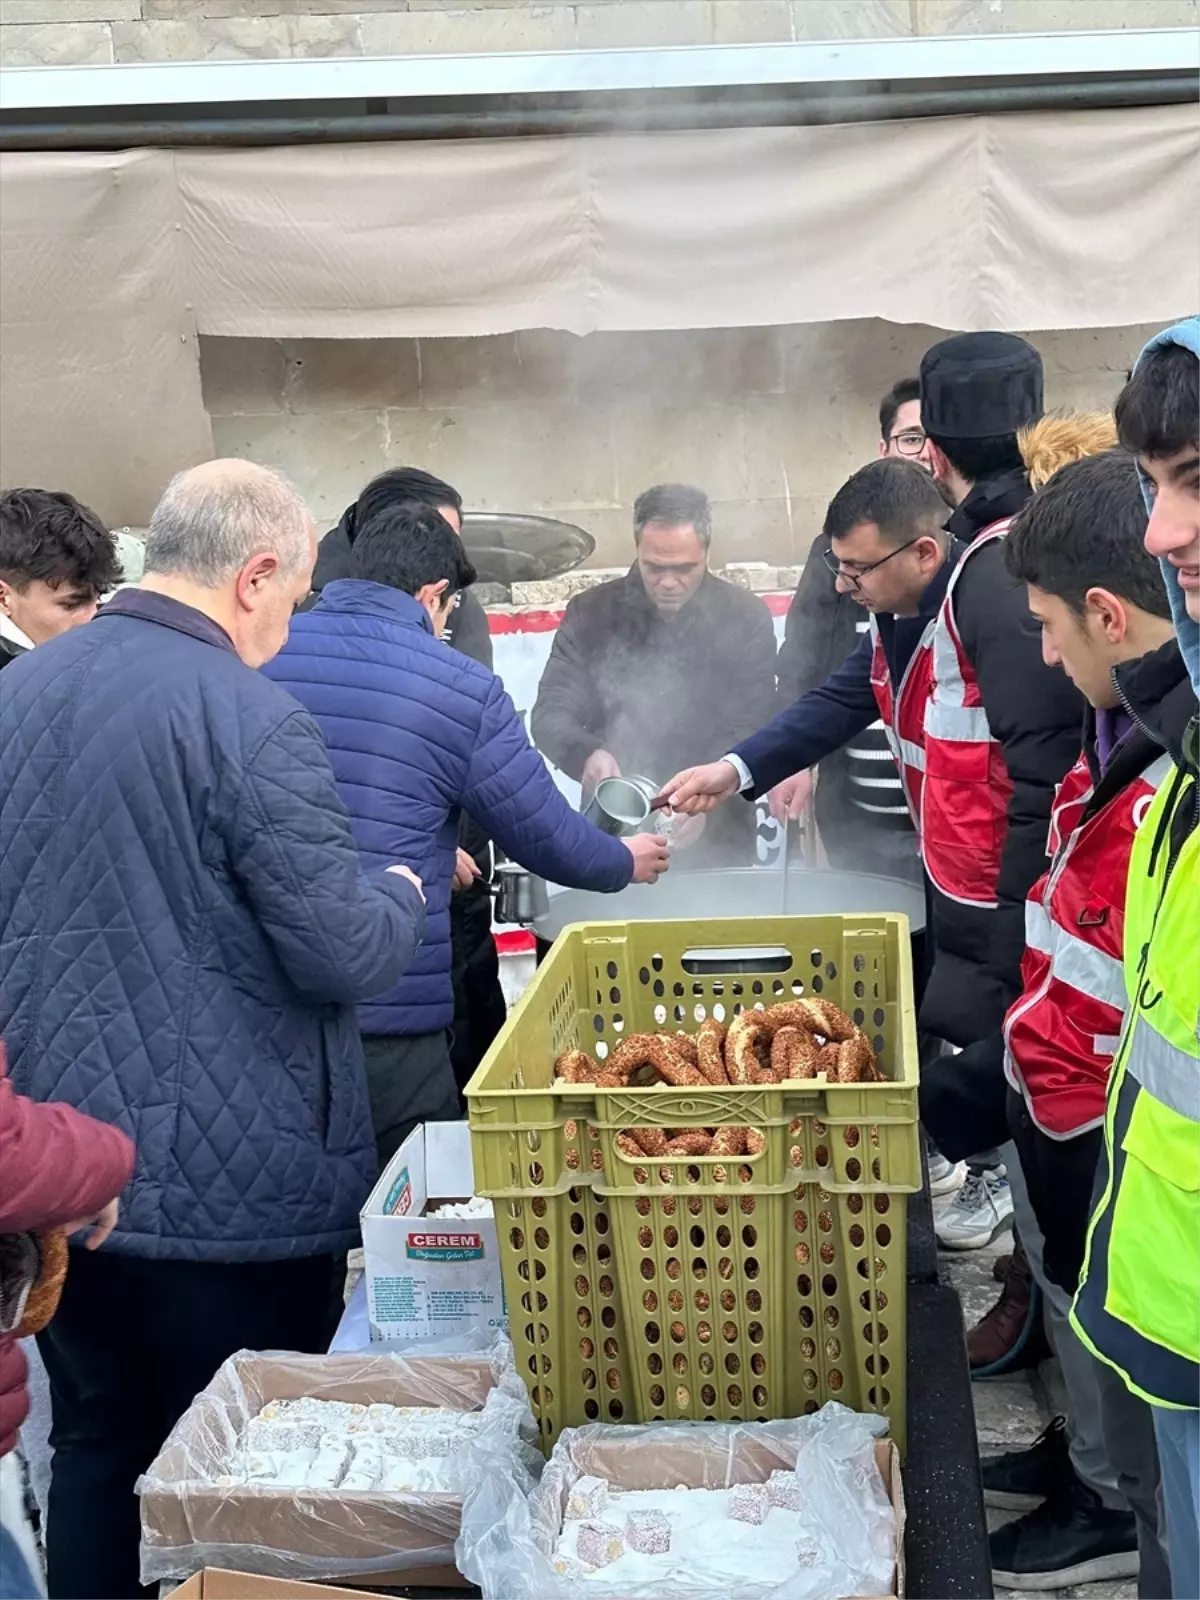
(663, 668)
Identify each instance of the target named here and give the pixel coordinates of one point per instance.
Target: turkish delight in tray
(319, 1467)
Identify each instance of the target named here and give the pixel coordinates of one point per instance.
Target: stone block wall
(72, 32)
(769, 421)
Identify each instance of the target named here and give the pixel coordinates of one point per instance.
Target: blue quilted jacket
(184, 930)
(415, 730)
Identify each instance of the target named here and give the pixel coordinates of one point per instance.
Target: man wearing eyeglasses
(901, 432)
(981, 727)
(860, 809)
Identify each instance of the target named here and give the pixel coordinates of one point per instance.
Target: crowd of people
(1062, 890)
(246, 822)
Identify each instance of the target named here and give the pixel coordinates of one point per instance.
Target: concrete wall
(67, 32)
(768, 420)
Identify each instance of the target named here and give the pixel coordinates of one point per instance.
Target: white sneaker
(980, 1210)
(945, 1177)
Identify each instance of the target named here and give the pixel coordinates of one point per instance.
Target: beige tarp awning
(99, 361)
(1039, 220)
(112, 263)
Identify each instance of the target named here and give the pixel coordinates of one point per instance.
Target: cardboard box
(430, 1278)
(218, 1583)
(630, 1459)
(188, 1522)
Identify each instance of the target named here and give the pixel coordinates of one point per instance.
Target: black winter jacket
(9, 652)
(659, 694)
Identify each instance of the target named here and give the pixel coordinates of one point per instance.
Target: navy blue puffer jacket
(184, 928)
(415, 730)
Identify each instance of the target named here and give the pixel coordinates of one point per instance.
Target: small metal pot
(621, 806)
(521, 898)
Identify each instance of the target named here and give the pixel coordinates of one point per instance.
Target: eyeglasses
(909, 443)
(854, 579)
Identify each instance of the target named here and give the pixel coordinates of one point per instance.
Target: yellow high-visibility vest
(1138, 1302)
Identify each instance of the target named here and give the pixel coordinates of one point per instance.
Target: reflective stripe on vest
(1074, 961)
(911, 754)
(948, 716)
(1164, 1071)
(1061, 1035)
(966, 787)
(902, 711)
(1138, 1303)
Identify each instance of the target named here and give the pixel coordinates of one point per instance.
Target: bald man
(184, 932)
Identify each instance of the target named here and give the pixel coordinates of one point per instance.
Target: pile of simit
(793, 1041)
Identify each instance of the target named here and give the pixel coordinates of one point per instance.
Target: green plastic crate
(703, 1288)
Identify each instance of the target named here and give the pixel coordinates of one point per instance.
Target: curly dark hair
(50, 537)
(1084, 530)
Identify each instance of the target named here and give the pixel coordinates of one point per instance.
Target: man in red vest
(1105, 620)
(981, 727)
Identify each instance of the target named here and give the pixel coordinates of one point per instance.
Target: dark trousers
(1060, 1175)
(410, 1080)
(132, 1342)
(964, 1099)
(479, 1007)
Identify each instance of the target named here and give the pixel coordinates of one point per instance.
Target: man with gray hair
(184, 932)
(665, 660)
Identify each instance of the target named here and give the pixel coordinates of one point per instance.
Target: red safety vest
(1060, 1036)
(955, 779)
(903, 712)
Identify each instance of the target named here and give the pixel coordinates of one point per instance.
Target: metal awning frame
(591, 91)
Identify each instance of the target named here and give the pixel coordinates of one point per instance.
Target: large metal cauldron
(733, 892)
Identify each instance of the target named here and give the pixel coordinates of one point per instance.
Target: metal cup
(620, 806)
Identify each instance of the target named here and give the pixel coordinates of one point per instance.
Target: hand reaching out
(649, 852)
(699, 789)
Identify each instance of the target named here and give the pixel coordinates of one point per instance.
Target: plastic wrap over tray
(190, 1522)
(854, 1507)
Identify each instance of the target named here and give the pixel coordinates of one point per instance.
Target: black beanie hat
(980, 386)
